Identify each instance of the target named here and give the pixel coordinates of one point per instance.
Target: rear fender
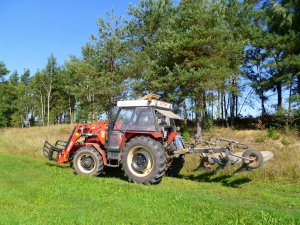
(172, 135)
(131, 134)
(176, 138)
(97, 147)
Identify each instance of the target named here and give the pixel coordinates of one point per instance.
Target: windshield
(138, 119)
(143, 120)
(123, 119)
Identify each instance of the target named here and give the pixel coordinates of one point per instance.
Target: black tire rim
(86, 163)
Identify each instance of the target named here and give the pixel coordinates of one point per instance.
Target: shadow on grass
(210, 177)
(111, 172)
(62, 166)
(108, 172)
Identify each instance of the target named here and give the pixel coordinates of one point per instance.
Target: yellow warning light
(102, 135)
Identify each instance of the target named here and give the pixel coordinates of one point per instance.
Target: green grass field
(35, 191)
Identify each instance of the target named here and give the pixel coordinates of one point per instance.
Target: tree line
(200, 55)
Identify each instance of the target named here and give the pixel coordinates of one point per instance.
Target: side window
(123, 119)
(143, 119)
(163, 120)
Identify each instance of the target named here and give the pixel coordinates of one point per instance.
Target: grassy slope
(33, 191)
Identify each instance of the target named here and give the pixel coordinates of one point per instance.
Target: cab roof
(144, 103)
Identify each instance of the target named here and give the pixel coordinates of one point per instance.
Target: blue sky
(33, 29)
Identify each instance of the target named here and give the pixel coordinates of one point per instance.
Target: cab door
(116, 138)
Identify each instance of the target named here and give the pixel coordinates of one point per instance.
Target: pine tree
(4, 96)
(199, 47)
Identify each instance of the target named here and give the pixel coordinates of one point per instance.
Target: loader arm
(63, 156)
(61, 150)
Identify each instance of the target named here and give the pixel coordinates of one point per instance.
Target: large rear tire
(175, 166)
(144, 160)
(88, 161)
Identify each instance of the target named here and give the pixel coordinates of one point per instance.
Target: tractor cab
(143, 117)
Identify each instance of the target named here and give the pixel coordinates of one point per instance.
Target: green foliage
(272, 133)
(285, 142)
(286, 129)
(4, 97)
(191, 53)
(286, 120)
(207, 122)
(186, 136)
(15, 100)
(260, 137)
(186, 131)
(3, 71)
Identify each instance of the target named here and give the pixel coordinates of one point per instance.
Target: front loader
(144, 141)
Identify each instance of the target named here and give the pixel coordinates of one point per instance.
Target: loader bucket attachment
(52, 151)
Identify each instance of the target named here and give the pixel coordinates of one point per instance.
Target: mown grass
(34, 191)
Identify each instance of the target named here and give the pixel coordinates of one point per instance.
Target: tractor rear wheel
(175, 166)
(144, 160)
(88, 161)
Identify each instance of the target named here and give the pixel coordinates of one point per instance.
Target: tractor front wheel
(144, 160)
(88, 161)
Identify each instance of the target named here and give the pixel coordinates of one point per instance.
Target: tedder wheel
(88, 161)
(144, 160)
(256, 159)
(175, 166)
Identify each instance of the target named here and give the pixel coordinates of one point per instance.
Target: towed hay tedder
(144, 141)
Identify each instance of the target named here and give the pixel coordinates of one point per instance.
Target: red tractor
(144, 141)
